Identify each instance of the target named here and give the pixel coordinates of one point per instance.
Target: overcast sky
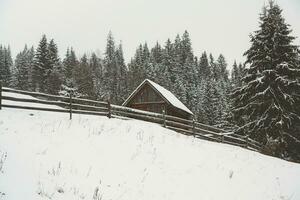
(217, 26)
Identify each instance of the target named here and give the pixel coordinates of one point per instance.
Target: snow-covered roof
(166, 94)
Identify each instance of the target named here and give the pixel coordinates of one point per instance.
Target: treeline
(259, 99)
(202, 83)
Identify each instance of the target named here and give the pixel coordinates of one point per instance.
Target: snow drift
(44, 155)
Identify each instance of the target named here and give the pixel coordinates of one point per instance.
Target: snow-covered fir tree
(54, 78)
(268, 101)
(114, 71)
(6, 64)
(204, 67)
(122, 83)
(69, 63)
(96, 65)
(41, 66)
(83, 77)
(23, 69)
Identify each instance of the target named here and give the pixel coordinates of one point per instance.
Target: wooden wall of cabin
(177, 113)
(148, 100)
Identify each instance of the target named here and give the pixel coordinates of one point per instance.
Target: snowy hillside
(44, 155)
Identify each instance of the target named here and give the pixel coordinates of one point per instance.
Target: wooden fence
(73, 105)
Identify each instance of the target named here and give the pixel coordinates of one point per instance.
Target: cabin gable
(147, 99)
(150, 96)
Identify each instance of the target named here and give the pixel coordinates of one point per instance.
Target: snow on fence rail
(90, 107)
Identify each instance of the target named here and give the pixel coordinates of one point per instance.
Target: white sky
(217, 26)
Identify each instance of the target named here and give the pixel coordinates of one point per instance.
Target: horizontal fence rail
(73, 105)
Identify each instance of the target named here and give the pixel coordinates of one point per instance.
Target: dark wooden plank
(0, 95)
(210, 128)
(186, 132)
(178, 125)
(152, 102)
(54, 97)
(56, 110)
(57, 103)
(36, 108)
(138, 116)
(135, 111)
(88, 107)
(62, 98)
(178, 119)
(205, 131)
(89, 112)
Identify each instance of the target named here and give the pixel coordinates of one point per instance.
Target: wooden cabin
(149, 96)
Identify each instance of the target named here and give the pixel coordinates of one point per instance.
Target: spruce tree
(169, 71)
(110, 68)
(54, 76)
(137, 67)
(215, 71)
(268, 101)
(69, 63)
(6, 65)
(235, 75)
(115, 71)
(204, 68)
(53, 54)
(122, 83)
(186, 47)
(222, 68)
(210, 102)
(41, 66)
(23, 68)
(96, 65)
(83, 78)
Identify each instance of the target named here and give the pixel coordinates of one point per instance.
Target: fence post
(71, 93)
(194, 126)
(164, 117)
(109, 109)
(0, 95)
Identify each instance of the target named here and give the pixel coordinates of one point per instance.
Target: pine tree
(137, 68)
(41, 67)
(215, 71)
(23, 69)
(54, 77)
(221, 64)
(268, 101)
(69, 63)
(210, 102)
(186, 48)
(110, 68)
(53, 54)
(115, 71)
(235, 75)
(84, 79)
(204, 68)
(6, 65)
(96, 65)
(122, 83)
(168, 72)
(156, 54)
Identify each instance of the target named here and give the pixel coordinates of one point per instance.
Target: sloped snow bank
(45, 155)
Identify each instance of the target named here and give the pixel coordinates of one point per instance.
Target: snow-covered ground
(44, 155)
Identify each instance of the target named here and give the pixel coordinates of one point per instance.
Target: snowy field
(44, 155)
